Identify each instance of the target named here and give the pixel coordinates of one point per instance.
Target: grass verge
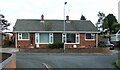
(118, 63)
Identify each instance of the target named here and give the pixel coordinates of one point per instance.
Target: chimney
(67, 18)
(42, 17)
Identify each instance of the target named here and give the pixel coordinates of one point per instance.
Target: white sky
(53, 9)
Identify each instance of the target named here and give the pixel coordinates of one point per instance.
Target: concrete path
(9, 50)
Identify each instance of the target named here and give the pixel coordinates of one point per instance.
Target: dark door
(57, 37)
(32, 38)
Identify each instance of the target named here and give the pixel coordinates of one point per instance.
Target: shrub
(118, 44)
(101, 44)
(56, 45)
(118, 63)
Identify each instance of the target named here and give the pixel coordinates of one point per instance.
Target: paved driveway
(38, 60)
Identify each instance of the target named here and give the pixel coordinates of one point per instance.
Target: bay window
(44, 38)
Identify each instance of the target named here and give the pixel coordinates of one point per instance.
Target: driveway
(39, 60)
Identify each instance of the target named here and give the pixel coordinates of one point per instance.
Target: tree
(3, 23)
(82, 17)
(116, 28)
(3, 26)
(110, 23)
(99, 23)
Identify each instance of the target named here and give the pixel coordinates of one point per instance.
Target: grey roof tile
(53, 25)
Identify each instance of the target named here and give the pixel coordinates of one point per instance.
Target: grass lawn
(118, 63)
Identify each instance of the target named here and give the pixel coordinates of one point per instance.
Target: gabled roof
(35, 25)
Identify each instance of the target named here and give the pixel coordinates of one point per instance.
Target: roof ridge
(52, 19)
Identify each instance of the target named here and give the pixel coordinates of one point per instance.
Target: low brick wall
(67, 50)
(42, 50)
(87, 50)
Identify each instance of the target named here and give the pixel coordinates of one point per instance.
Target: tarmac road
(37, 60)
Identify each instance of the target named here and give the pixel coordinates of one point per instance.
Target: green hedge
(118, 63)
(56, 45)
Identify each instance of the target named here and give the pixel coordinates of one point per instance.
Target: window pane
(24, 35)
(88, 36)
(19, 35)
(92, 36)
(44, 38)
(37, 40)
(70, 38)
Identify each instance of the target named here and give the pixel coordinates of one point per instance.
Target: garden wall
(67, 50)
(9, 63)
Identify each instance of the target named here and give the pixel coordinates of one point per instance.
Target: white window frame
(51, 38)
(37, 35)
(20, 35)
(64, 38)
(77, 38)
(90, 39)
(36, 38)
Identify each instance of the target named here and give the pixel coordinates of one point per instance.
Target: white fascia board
(58, 31)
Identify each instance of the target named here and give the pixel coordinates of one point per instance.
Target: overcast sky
(53, 9)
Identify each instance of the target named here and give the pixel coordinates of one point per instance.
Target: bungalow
(39, 33)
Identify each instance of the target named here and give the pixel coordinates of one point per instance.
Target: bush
(118, 63)
(118, 44)
(101, 44)
(56, 45)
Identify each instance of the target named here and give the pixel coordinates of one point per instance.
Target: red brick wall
(92, 43)
(83, 42)
(42, 45)
(25, 43)
(67, 50)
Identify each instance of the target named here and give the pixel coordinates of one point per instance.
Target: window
(44, 38)
(23, 36)
(70, 38)
(37, 38)
(90, 36)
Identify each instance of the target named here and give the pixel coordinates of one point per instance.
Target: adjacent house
(40, 32)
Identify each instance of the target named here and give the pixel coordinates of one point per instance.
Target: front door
(31, 38)
(57, 37)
